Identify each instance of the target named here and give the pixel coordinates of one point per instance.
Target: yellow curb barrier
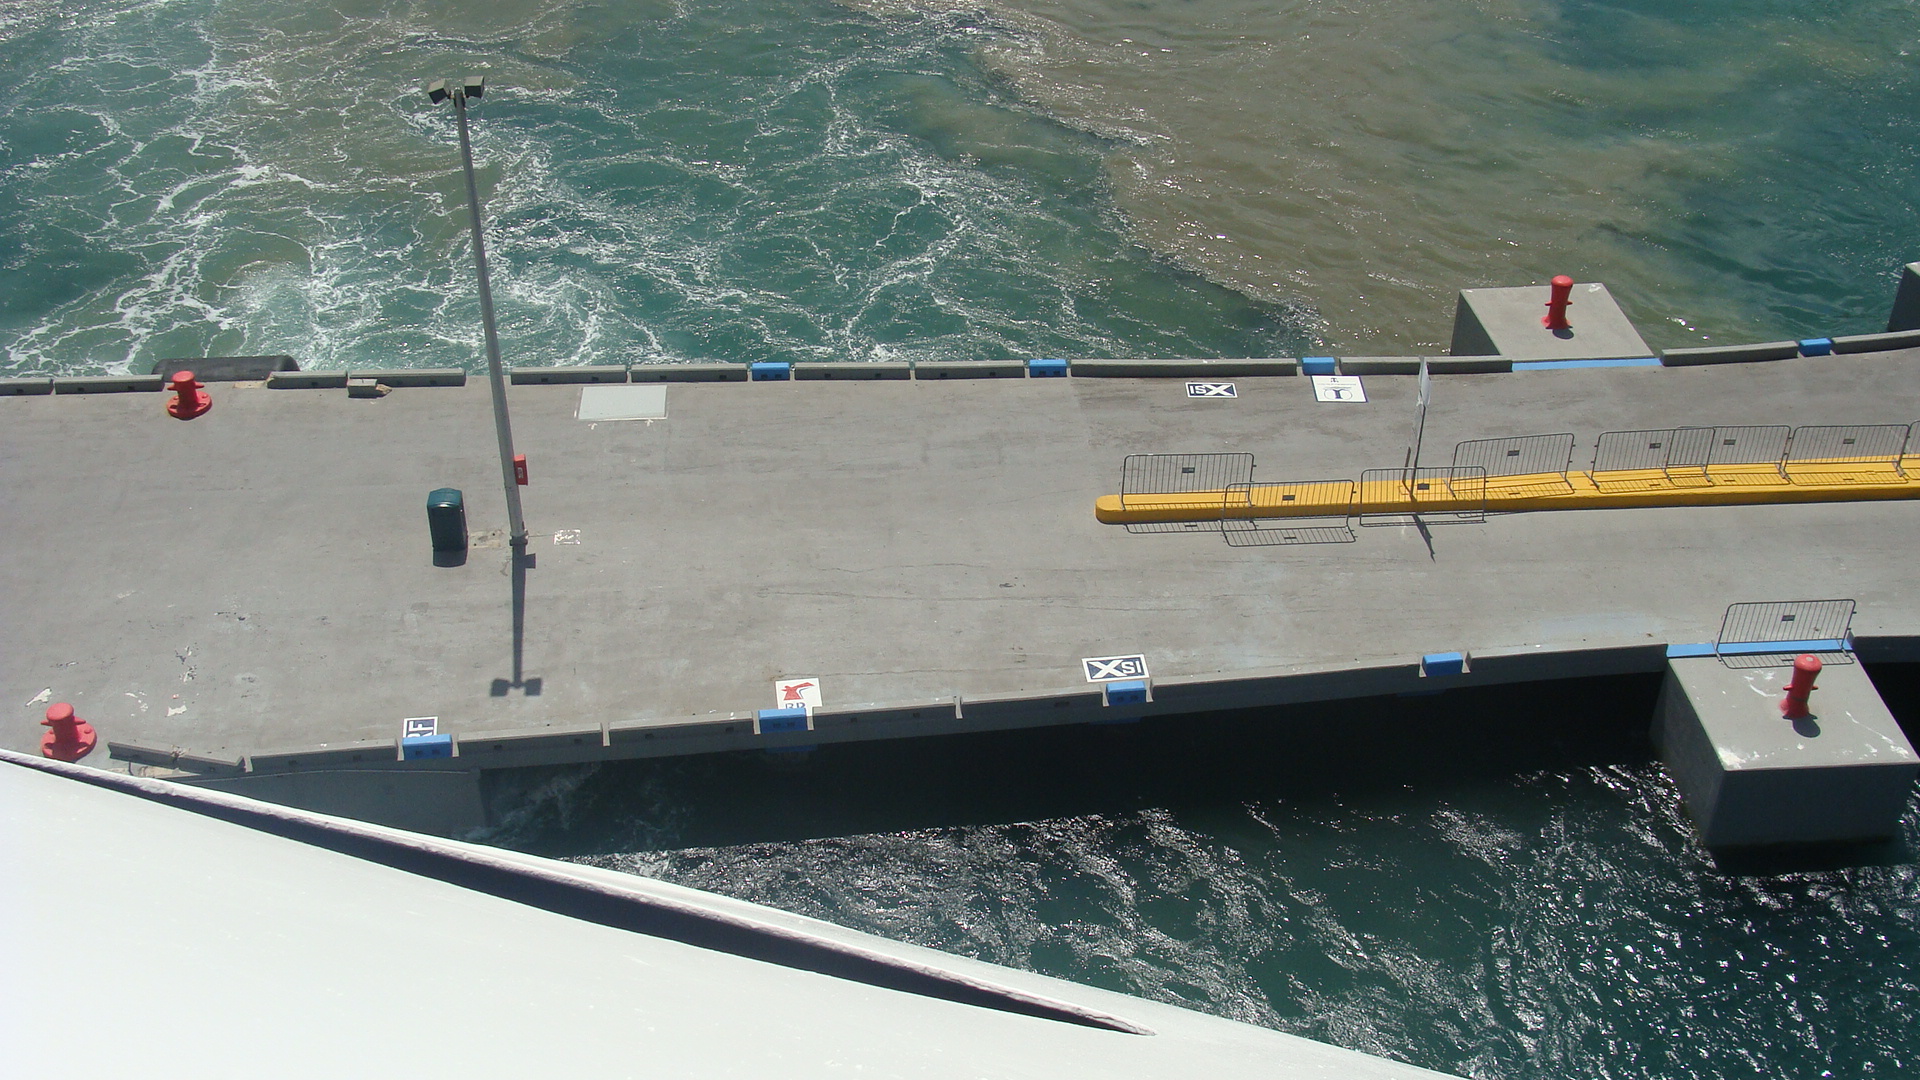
(1831, 480)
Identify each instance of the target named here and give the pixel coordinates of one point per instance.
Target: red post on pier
(190, 397)
(71, 738)
(1558, 302)
(1805, 670)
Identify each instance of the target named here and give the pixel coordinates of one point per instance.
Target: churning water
(1496, 883)
(938, 180)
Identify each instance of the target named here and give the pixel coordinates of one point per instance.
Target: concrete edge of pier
(377, 781)
(370, 381)
(1494, 330)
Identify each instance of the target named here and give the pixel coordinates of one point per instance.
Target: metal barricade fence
(1543, 459)
(1435, 495)
(1179, 474)
(1211, 525)
(1757, 444)
(1841, 454)
(1772, 633)
(1693, 451)
(1300, 512)
(1690, 455)
(1758, 447)
(1517, 455)
(1630, 451)
(1689, 451)
(1205, 476)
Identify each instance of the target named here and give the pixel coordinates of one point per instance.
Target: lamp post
(472, 87)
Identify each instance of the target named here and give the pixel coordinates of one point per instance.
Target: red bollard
(1557, 304)
(1805, 670)
(191, 399)
(71, 738)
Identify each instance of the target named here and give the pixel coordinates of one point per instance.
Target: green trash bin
(447, 519)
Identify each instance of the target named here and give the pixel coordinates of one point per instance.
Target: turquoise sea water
(933, 181)
(717, 182)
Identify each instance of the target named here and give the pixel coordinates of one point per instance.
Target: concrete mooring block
(1507, 322)
(1752, 777)
(1906, 300)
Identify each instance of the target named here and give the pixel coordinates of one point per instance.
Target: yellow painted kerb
(1835, 480)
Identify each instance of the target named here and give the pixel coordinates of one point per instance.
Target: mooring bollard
(190, 397)
(1557, 304)
(71, 738)
(1805, 670)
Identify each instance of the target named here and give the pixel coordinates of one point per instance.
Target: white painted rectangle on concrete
(796, 693)
(648, 402)
(1338, 388)
(1211, 390)
(1109, 668)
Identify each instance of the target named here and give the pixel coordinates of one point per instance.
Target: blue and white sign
(1109, 668)
(419, 727)
(1211, 390)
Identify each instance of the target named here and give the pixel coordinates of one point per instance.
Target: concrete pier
(1506, 322)
(1752, 777)
(251, 596)
(1906, 301)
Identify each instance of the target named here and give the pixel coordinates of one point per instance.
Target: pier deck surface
(260, 577)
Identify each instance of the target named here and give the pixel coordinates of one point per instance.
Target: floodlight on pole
(473, 86)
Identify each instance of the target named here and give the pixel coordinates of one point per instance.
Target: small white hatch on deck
(623, 403)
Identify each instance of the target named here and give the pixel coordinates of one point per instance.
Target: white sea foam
(1347, 166)
(287, 191)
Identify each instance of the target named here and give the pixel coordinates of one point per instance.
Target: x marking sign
(1210, 389)
(1109, 668)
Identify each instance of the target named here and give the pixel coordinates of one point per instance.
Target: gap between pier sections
(1831, 480)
